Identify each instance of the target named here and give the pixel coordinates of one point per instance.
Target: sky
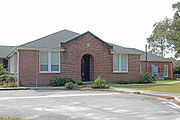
(123, 22)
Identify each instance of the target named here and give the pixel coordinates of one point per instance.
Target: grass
(172, 88)
(10, 118)
(166, 81)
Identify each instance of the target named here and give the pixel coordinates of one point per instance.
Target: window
(165, 70)
(43, 61)
(49, 62)
(12, 64)
(54, 61)
(120, 63)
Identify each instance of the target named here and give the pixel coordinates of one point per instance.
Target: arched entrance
(87, 68)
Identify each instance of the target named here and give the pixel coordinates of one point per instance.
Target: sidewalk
(150, 83)
(176, 96)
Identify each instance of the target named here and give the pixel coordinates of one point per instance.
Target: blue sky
(124, 22)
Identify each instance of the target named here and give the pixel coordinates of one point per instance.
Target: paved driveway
(85, 105)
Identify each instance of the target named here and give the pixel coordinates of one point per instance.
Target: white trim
(11, 59)
(18, 67)
(167, 70)
(114, 52)
(41, 49)
(49, 63)
(120, 71)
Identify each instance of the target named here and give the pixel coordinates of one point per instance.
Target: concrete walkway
(150, 83)
(149, 92)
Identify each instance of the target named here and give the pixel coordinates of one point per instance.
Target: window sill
(50, 72)
(120, 71)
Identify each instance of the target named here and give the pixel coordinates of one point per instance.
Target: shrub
(146, 78)
(11, 78)
(4, 75)
(99, 83)
(11, 84)
(123, 82)
(79, 83)
(60, 81)
(10, 118)
(70, 85)
(176, 69)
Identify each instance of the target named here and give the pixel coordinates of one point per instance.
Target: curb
(14, 89)
(177, 99)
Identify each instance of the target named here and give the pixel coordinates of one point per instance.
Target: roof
(151, 57)
(5, 50)
(51, 41)
(120, 49)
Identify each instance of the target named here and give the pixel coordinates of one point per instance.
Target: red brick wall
(70, 62)
(160, 67)
(133, 69)
(29, 69)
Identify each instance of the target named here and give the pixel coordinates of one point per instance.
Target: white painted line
(173, 105)
(56, 96)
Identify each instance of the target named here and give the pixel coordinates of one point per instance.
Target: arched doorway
(87, 68)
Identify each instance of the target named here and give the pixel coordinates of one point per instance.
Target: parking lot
(84, 105)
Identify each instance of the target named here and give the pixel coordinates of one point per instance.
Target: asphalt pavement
(85, 105)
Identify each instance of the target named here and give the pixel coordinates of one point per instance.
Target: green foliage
(5, 76)
(176, 70)
(158, 42)
(10, 118)
(2, 70)
(11, 84)
(70, 85)
(79, 83)
(122, 81)
(60, 81)
(100, 83)
(166, 35)
(146, 78)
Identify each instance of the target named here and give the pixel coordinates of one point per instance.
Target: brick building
(77, 56)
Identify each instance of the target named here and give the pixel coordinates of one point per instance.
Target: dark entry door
(85, 68)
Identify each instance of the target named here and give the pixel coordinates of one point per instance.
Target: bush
(176, 69)
(11, 84)
(70, 85)
(123, 82)
(79, 83)
(146, 78)
(100, 83)
(10, 118)
(60, 81)
(11, 78)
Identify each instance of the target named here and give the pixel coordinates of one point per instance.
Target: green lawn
(172, 88)
(166, 81)
(10, 118)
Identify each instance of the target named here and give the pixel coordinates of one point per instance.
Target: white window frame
(120, 71)
(167, 70)
(11, 59)
(49, 62)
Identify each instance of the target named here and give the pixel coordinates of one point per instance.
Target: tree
(166, 35)
(158, 42)
(174, 29)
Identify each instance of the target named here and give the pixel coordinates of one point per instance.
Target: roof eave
(118, 52)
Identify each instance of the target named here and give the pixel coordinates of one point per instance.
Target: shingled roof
(151, 57)
(5, 50)
(52, 41)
